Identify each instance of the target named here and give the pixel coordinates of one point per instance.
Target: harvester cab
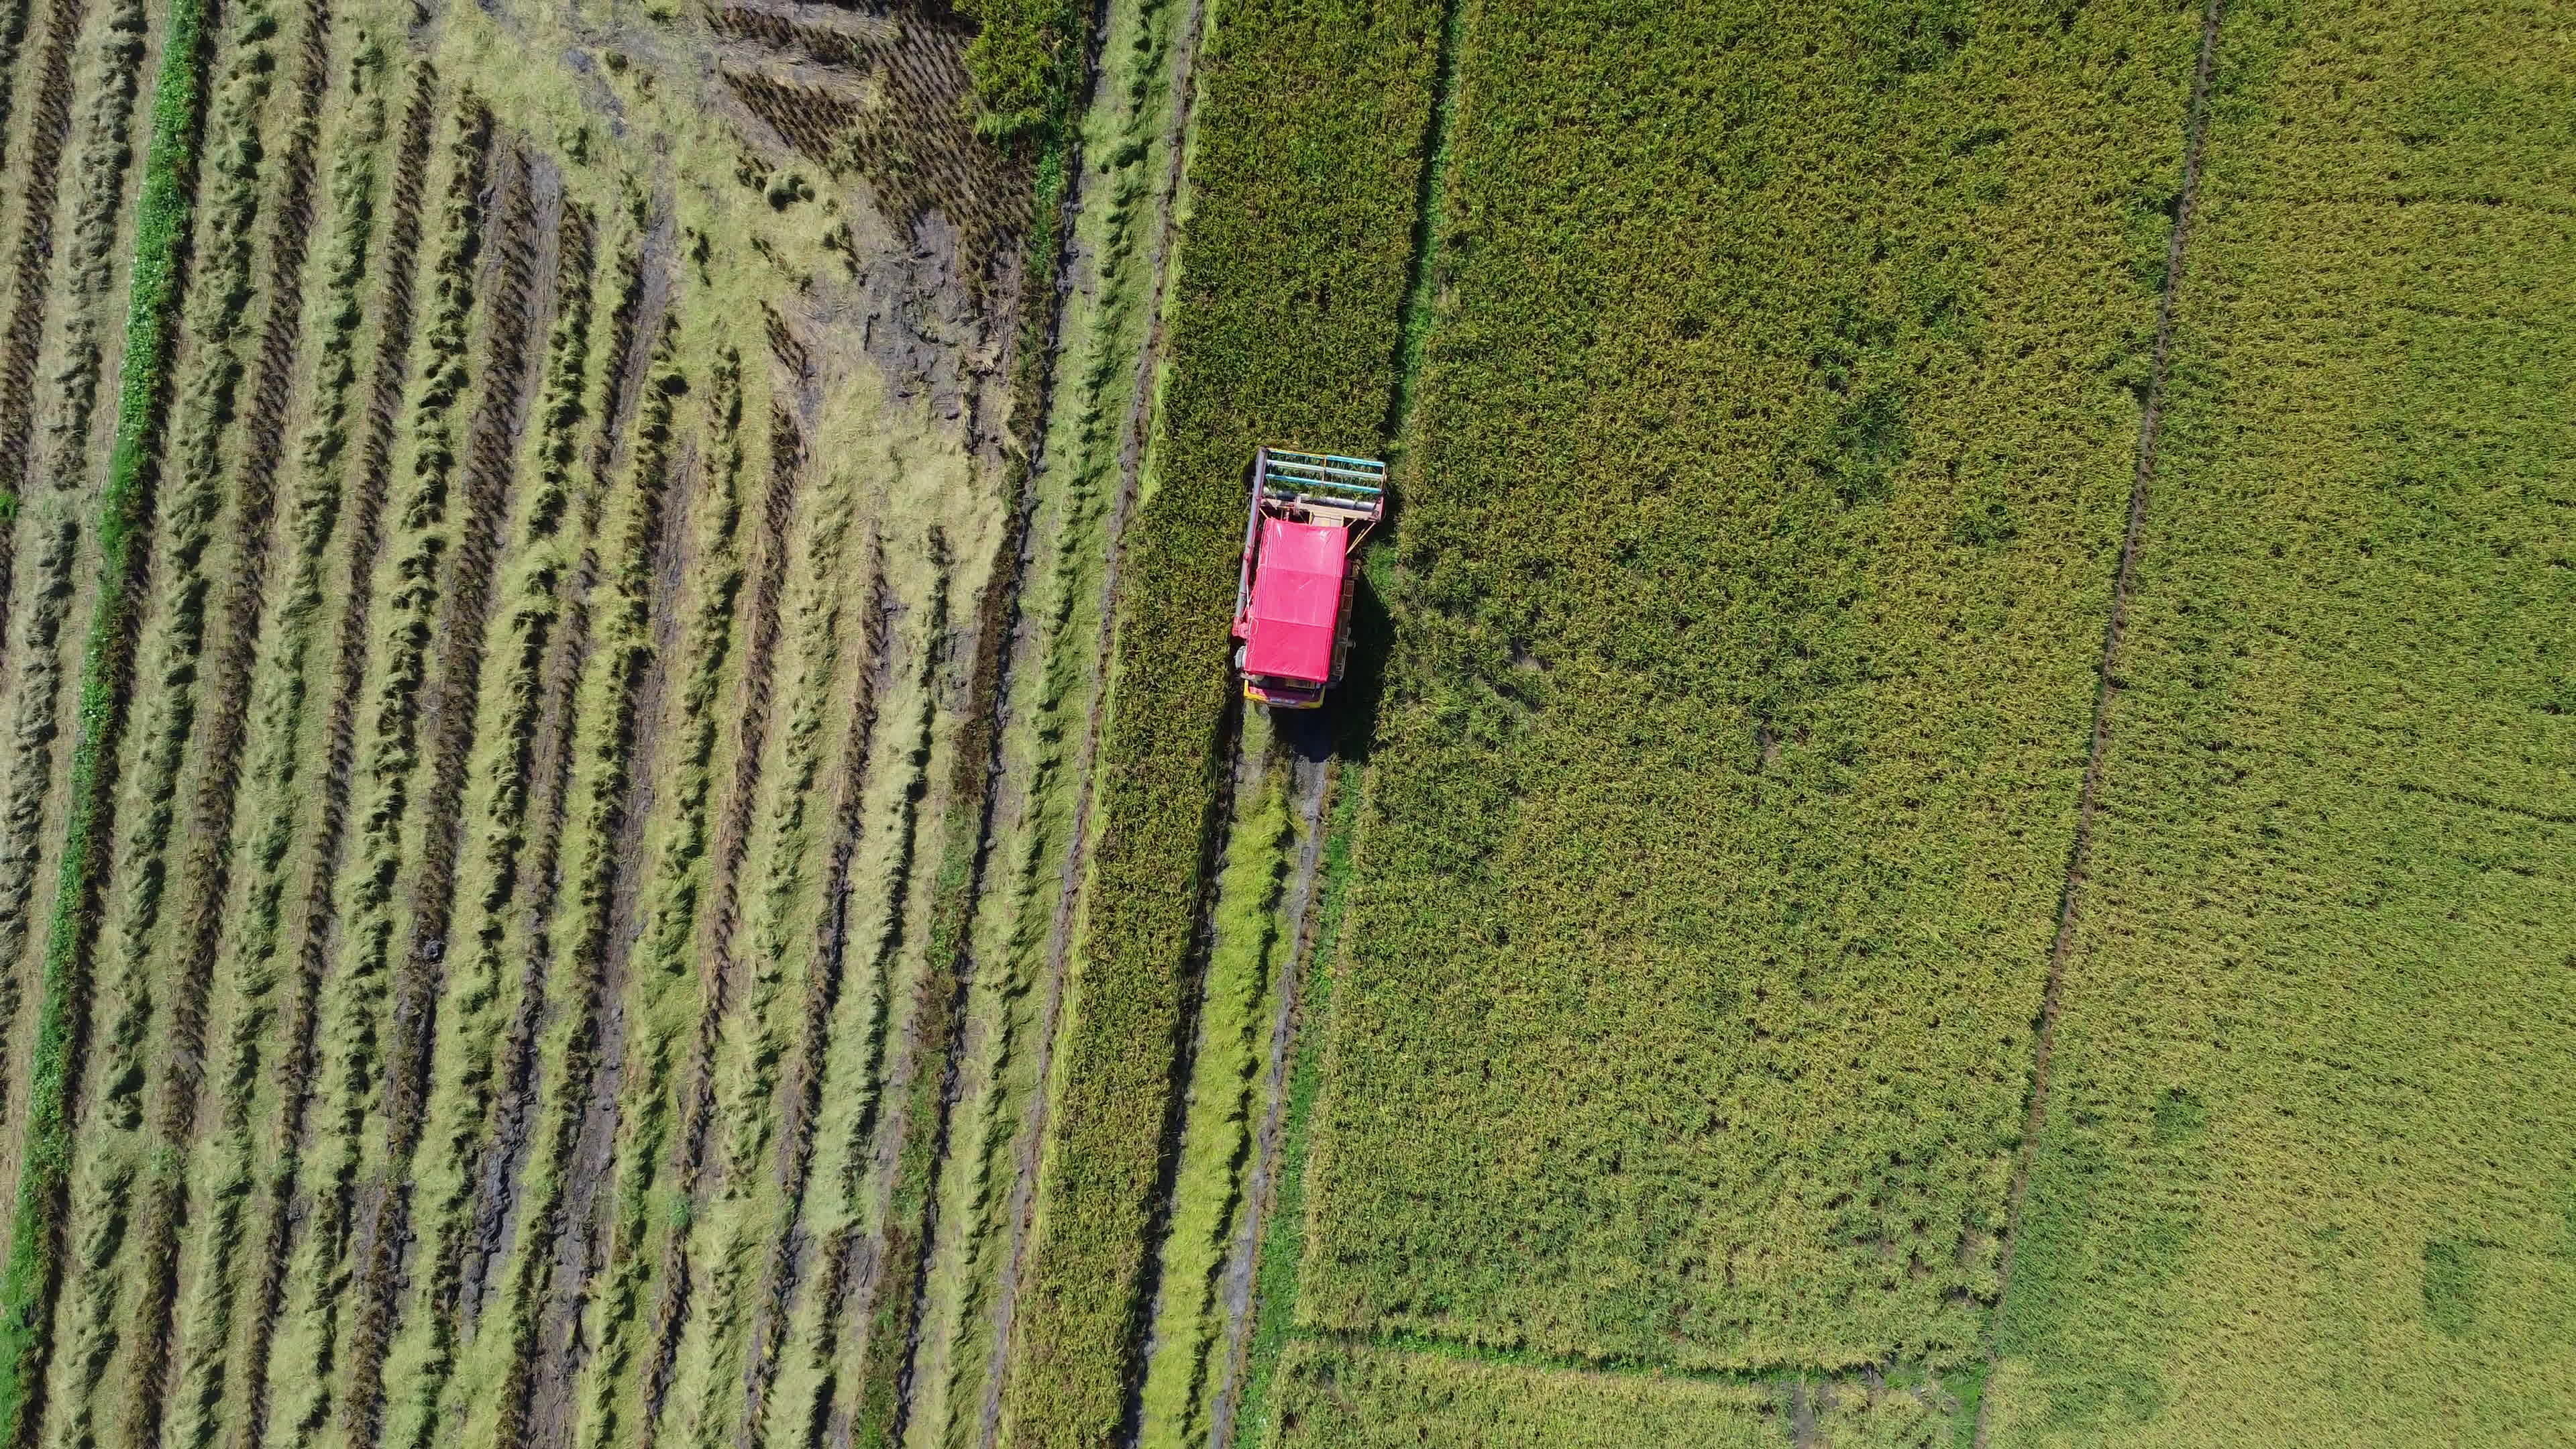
(1292, 608)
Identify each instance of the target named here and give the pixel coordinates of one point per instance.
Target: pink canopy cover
(1296, 600)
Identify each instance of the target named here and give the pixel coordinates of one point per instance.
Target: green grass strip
(169, 188)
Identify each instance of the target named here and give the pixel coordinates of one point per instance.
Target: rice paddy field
(623, 818)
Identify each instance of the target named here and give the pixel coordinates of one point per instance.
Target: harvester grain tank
(1301, 540)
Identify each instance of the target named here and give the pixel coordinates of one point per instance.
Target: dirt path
(1310, 783)
(2079, 856)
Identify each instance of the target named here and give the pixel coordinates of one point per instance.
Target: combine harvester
(1292, 609)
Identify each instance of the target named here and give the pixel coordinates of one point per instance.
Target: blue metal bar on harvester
(1323, 465)
(1306, 473)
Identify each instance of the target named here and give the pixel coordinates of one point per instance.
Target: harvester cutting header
(1292, 609)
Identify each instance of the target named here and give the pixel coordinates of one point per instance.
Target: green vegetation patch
(169, 188)
(1776, 433)
(2305, 1176)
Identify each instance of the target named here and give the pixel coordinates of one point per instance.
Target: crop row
(49, 502)
(502, 819)
(2320, 961)
(207, 1225)
(361, 492)
(362, 915)
(1248, 948)
(582, 768)
(778, 958)
(1283, 320)
(225, 1168)
(47, 129)
(96, 1204)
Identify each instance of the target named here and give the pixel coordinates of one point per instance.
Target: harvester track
(1311, 775)
(2106, 697)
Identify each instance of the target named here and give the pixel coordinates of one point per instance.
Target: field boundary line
(2107, 690)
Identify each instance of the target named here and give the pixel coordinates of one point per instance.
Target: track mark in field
(2070, 900)
(1311, 780)
(2469, 801)
(33, 674)
(1245, 771)
(1021, 1210)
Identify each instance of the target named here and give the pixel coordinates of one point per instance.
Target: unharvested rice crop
(2302, 1179)
(1774, 439)
(623, 819)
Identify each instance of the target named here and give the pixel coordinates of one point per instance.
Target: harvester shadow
(1345, 729)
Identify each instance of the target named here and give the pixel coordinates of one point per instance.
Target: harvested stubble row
(1020, 936)
(359, 986)
(2304, 1174)
(209, 1082)
(236, 1166)
(51, 504)
(482, 1033)
(333, 1153)
(1775, 436)
(1306, 162)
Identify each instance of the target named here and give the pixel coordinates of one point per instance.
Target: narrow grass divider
(169, 188)
(1242, 972)
(1282, 1245)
